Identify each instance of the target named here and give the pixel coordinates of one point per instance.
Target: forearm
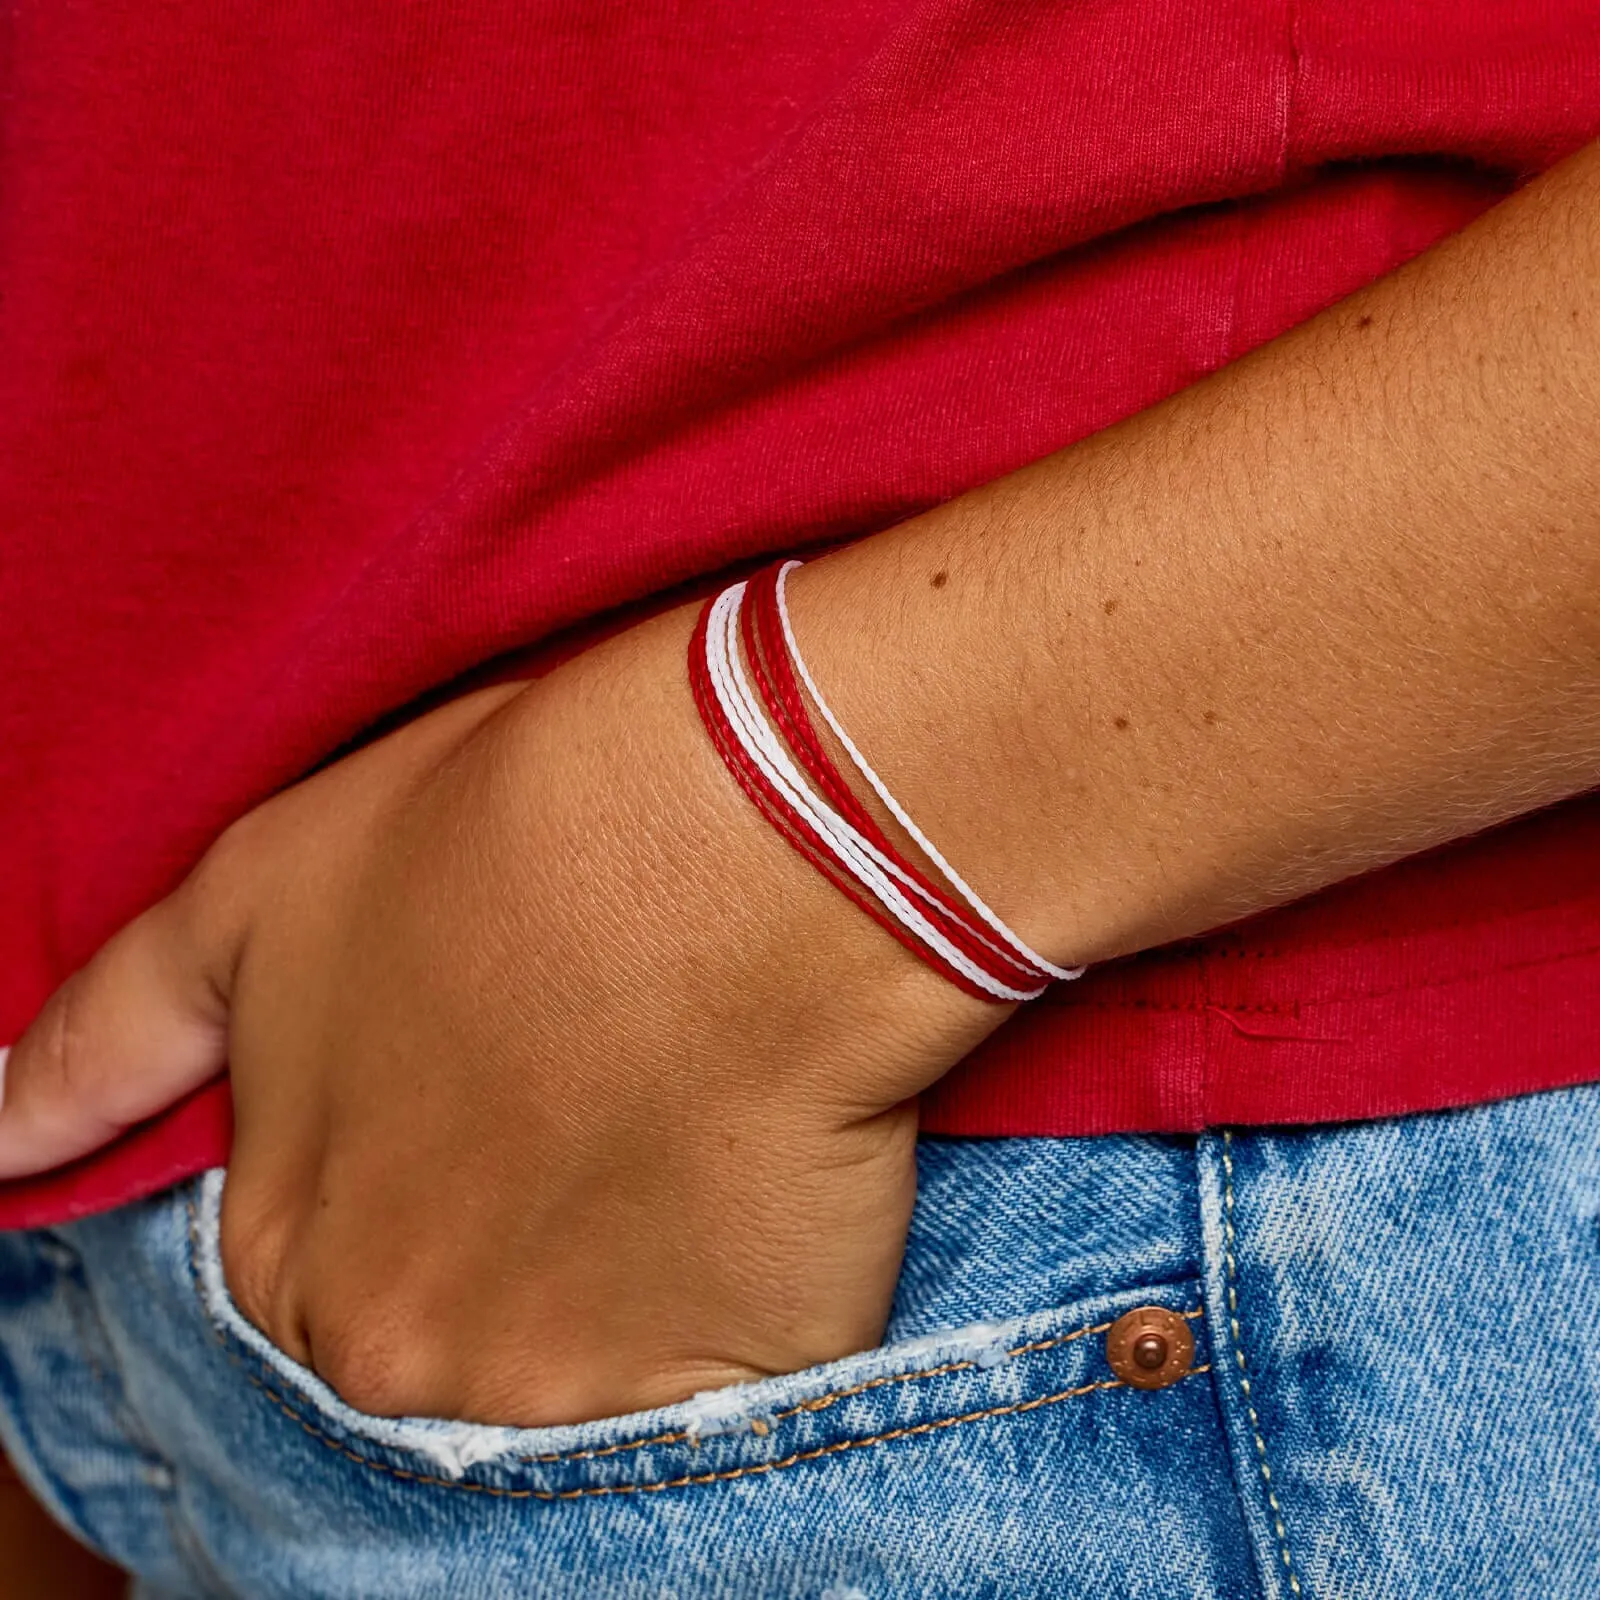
(1336, 604)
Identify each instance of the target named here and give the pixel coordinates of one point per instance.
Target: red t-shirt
(344, 348)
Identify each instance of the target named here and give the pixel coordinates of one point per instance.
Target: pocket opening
(914, 1388)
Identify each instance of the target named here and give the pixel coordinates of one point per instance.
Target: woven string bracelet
(746, 671)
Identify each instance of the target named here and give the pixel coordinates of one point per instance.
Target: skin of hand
(563, 1086)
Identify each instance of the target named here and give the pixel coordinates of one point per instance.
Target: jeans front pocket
(946, 1379)
(965, 1458)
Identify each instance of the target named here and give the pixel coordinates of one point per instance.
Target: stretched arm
(1336, 604)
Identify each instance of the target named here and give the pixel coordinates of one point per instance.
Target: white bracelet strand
(896, 810)
(859, 857)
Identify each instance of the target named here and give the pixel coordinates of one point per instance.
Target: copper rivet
(1150, 1352)
(1150, 1347)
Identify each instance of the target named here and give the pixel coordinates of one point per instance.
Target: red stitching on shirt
(1300, 1007)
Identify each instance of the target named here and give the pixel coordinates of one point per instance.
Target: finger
(143, 1023)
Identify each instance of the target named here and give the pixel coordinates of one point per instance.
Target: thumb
(143, 1023)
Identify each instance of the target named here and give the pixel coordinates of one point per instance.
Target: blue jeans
(1395, 1391)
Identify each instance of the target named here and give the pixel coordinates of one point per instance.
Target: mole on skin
(1119, 723)
(939, 579)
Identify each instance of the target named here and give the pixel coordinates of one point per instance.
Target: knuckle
(237, 842)
(254, 1252)
(373, 1366)
(64, 1056)
(215, 883)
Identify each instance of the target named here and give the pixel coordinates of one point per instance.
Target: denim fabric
(1395, 1393)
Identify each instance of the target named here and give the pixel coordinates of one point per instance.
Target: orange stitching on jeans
(691, 1479)
(823, 1401)
(1230, 1246)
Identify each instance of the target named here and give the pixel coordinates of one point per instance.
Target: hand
(563, 1087)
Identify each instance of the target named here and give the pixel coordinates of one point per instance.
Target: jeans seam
(821, 1402)
(92, 1339)
(290, 1401)
(1234, 1323)
(91, 1333)
(688, 1480)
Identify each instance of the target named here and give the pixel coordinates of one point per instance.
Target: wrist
(908, 638)
(761, 935)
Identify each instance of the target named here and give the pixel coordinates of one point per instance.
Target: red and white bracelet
(751, 684)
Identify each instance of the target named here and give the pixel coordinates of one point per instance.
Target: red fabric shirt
(345, 348)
